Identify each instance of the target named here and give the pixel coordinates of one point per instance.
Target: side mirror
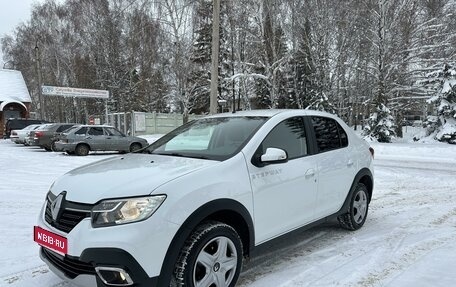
(274, 155)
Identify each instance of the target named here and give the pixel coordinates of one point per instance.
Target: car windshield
(43, 127)
(210, 138)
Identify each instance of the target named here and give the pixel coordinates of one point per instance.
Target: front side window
(329, 134)
(81, 131)
(113, 132)
(212, 138)
(289, 135)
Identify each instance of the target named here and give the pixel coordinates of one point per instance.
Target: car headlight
(120, 211)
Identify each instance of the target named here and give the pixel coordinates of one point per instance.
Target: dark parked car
(30, 136)
(18, 124)
(44, 136)
(82, 139)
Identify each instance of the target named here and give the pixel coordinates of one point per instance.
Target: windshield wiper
(183, 155)
(169, 153)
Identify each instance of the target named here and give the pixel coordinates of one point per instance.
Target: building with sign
(15, 99)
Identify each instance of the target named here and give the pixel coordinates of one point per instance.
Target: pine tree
(380, 125)
(442, 126)
(303, 81)
(272, 59)
(320, 102)
(201, 56)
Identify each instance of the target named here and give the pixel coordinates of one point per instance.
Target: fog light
(114, 276)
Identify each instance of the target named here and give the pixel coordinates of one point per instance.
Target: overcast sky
(12, 13)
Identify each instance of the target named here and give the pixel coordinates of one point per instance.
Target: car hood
(132, 138)
(124, 176)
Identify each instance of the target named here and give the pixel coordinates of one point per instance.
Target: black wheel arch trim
(82, 143)
(365, 172)
(200, 215)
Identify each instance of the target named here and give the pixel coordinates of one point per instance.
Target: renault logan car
(191, 206)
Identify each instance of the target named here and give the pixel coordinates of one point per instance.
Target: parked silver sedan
(82, 139)
(19, 136)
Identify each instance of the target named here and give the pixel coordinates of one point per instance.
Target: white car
(18, 136)
(187, 210)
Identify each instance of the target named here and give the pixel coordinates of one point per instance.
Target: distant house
(15, 99)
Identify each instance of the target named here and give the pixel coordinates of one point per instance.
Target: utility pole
(38, 71)
(215, 56)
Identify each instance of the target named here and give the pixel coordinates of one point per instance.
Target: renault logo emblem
(55, 206)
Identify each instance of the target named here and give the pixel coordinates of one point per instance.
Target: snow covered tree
(201, 55)
(302, 81)
(320, 102)
(273, 57)
(442, 126)
(380, 125)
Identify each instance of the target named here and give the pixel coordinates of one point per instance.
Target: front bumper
(31, 141)
(67, 147)
(81, 271)
(138, 248)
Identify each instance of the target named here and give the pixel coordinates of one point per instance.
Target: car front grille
(70, 266)
(69, 216)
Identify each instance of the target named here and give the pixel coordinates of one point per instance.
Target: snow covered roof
(13, 87)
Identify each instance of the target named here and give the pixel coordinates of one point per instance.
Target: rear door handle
(350, 163)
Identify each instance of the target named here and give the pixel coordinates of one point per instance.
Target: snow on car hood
(124, 176)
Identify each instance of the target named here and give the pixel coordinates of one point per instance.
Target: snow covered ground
(409, 238)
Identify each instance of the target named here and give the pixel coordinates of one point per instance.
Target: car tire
(82, 150)
(200, 262)
(359, 204)
(47, 148)
(135, 146)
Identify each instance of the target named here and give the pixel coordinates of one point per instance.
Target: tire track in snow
(396, 267)
(36, 276)
(447, 168)
(31, 272)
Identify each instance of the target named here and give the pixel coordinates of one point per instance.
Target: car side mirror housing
(274, 155)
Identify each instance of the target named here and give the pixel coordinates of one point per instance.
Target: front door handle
(310, 172)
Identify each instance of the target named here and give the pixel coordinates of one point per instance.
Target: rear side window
(329, 134)
(288, 135)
